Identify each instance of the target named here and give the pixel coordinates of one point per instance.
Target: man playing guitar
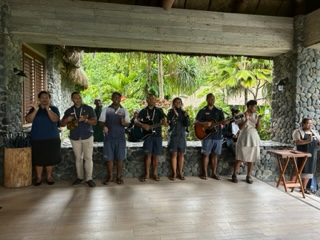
(212, 143)
(152, 145)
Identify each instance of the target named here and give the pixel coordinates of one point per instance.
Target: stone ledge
(66, 144)
(134, 166)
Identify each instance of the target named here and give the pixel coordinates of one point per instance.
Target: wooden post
(17, 167)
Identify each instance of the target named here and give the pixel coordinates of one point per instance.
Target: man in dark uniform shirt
(211, 145)
(152, 144)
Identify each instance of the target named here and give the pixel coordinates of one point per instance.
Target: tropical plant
(242, 75)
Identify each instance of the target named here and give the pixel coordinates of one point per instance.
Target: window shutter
(34, 68)
(28, 83)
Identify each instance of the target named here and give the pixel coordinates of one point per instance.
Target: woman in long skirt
(45, 138)
(248, 144)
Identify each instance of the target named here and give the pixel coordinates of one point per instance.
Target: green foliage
(136, 74)
(264, 131)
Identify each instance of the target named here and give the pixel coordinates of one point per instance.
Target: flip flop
(173, 178)
(204, 177)
(215, 176)
(182, 178)
(144, 179)
(156, 178)
(108, 181)
(119, 180)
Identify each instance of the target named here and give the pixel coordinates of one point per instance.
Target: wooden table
(289, 154)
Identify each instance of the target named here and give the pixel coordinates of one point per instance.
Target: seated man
(230, 133)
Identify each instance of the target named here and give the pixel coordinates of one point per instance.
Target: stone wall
(10, 84)
(300, 97)
(58, 84)
(265, 169)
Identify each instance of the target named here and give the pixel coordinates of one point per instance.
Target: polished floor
(165, 210)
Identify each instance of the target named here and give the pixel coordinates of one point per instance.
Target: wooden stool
(290, 154)
(17, 167)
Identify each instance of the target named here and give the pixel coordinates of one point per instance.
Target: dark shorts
(177, 144)
(211, 146)
(153, 144)
(114, 150)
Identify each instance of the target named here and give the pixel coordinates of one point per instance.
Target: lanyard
(75, 114)
(153, 113)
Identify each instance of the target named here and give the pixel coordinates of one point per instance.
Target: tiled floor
(165, 210)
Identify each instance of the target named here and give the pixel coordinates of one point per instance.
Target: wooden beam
(312, 30)
(105, 25)
(167, 4)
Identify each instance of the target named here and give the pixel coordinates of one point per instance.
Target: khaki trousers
(83, 150)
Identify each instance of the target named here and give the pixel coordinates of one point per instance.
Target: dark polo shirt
(83, 130)
(206, 115)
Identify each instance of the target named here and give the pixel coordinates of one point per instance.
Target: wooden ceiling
(212, 27)
(281, 8)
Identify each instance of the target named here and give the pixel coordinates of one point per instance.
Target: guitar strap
(153, 113)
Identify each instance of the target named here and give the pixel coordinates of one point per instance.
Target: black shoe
(77, 181)
(249, 180)
(91, 183)
(51, 182)
(37, 183)
(234, 178)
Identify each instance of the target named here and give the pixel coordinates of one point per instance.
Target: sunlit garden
(136, 74)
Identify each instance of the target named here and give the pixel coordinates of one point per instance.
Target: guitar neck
(218, 123)
(155, 125)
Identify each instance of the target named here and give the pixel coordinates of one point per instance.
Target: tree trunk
(146, 87)
(245, 96)
(160, 76)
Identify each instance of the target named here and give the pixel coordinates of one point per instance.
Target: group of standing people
(109, 124)
(112, 121)
(45, 138)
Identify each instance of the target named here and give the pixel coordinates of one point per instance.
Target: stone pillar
(53, 76)
(11, 85)
(300, 98)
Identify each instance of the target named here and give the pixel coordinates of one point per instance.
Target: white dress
(248, 144)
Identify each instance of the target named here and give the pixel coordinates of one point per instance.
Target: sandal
(249, 180)
(306, 192)
(156, 178)
(204, 177)
(234, 178)
(182, 178)
(119, 180)
(108, 181)
(172, 178)
(215, 176)
(144, 179)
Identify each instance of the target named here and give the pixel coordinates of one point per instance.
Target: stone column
(300, 97)
(11, 85)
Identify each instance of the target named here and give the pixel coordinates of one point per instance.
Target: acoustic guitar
(141, 134)
(202, 132)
